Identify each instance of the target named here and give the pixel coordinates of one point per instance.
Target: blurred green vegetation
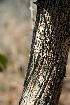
(3, 62)
(1, 87)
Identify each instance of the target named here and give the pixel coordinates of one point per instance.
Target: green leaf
(3, 61)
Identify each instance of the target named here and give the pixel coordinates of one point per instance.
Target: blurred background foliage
(15, 45)
(3, 62)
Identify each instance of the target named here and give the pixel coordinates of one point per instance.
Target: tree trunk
(49, 52)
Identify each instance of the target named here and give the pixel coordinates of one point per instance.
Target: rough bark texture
(49, 53)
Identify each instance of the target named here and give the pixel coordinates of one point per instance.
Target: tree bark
(49, 52)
